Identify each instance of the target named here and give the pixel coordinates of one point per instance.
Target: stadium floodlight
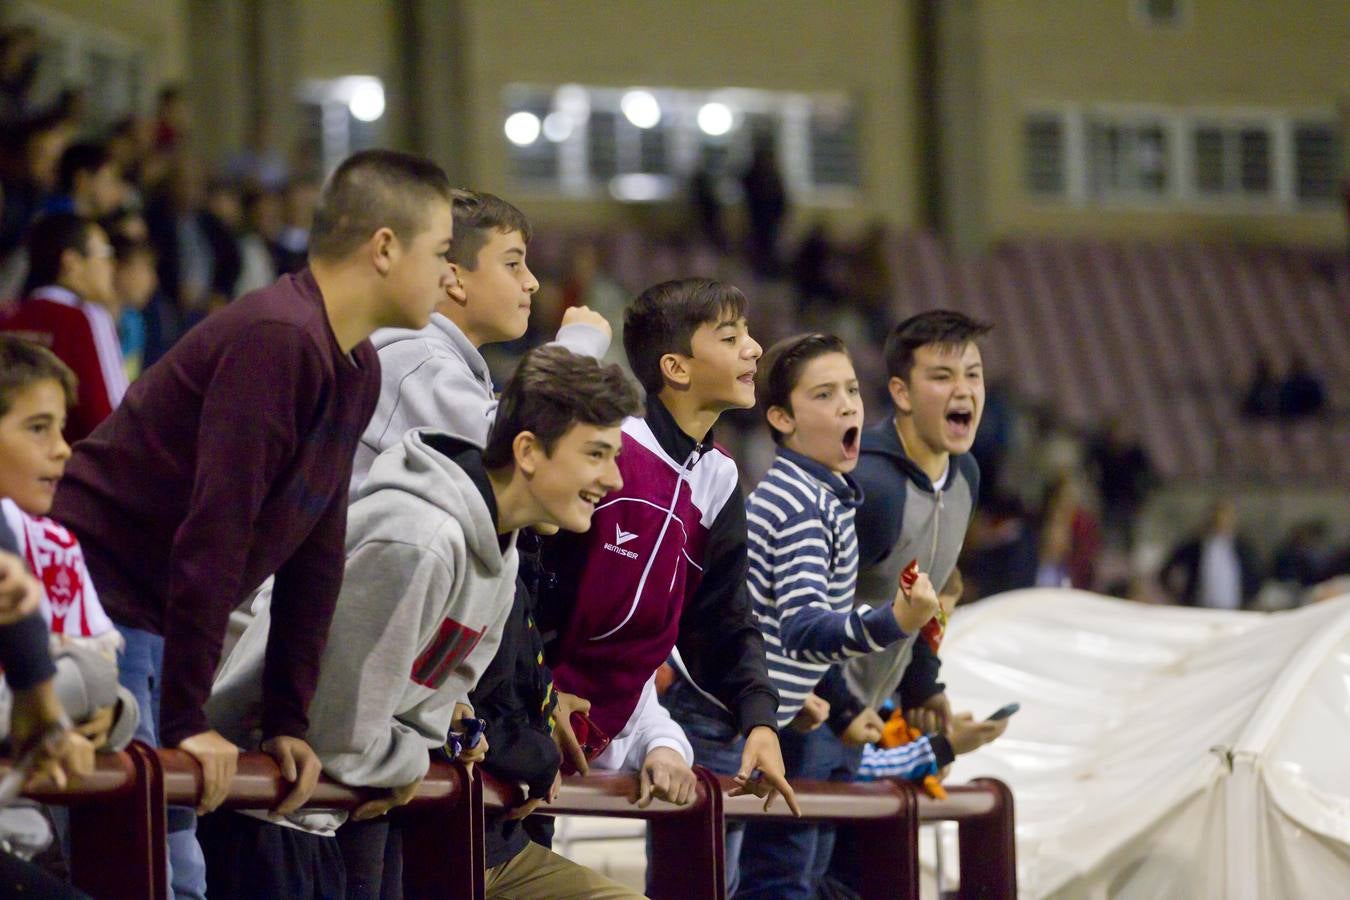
(557, 127)
(641, 108)
(522, 128)
(715, 119)
(366, 102)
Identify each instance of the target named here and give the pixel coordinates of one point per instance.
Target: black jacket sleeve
(720, 642)
(514, 696)
(920, 680)
(844, 707)
(879, 519)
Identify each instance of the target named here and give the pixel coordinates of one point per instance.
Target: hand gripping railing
(118, 824)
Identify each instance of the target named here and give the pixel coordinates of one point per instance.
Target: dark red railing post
(118, 840)
(989, 848)
(689, 848)
(443, 844)
(896, 842)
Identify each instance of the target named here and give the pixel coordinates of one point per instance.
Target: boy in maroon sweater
(229, 460)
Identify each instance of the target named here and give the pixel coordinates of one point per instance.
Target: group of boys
(428, 567)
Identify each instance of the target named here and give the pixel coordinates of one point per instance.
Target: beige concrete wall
(1231, 53)
(159, 27)
(852, 46)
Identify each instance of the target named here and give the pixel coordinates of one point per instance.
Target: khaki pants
(540, 874)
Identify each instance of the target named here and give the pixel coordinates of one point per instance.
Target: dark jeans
(717, 746)
(372, 854)
(25, 879)
(247, 859)
(782, 860)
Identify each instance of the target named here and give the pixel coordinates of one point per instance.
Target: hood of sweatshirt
(445, 476)
(441, 330)
(883, 439)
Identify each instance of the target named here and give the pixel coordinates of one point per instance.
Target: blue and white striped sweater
(910, 761)
(803, 569)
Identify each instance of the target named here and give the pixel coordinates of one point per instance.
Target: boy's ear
(526, 449)
(675, 370)
(780, 420)
(71, 259)
(900, 395)
(383, 250)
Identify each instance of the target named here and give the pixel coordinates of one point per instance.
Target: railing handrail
(123, 802)
(258, 784)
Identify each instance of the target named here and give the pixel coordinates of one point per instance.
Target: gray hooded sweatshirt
(435, 378)
(904, 517)
(426, 593)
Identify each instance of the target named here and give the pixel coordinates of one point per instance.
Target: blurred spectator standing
(766, 204)
(1215, 569)
(1120, 469)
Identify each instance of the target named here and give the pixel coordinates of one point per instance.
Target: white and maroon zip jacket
(663, 565)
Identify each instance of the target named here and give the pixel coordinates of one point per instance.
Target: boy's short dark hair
(49, 237)
(945, 327)
(477, 215)
(371, 190)
(23, 363)
(126, 249)
(552, 390)
(663, 319)
(85, 156)
(780, 368)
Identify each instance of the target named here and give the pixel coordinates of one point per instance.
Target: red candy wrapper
(932, 632)
(908, 576)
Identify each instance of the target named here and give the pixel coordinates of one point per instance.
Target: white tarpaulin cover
(1160, 751)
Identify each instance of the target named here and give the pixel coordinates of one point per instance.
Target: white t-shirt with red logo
(69, 600)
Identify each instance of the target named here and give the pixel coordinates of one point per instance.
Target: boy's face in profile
(568, 483)
(33, 453)
(136, 280)
(825, 421)
(498, 290)
(420, 272)
(944, 395)
(722, 365)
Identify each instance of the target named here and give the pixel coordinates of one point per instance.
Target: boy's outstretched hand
(219, 759)
(763, 754)
(665, 776)
(966, 734)
(914, 608)
(563, 736)
(299, 765)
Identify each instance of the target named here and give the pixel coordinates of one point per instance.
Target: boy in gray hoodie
(429, 583)
(436, 377)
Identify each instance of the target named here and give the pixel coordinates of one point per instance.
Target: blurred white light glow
(641, 108)
(367, 100)
(522, 128)
(557, 127)
(715, 119)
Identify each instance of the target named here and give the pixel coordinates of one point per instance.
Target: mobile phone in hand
(1004, 712)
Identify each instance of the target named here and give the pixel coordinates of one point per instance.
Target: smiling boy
(429, 583)
(664, 565)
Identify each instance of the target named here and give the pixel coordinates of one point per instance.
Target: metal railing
(118, 824)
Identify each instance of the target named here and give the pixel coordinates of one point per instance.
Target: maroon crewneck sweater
(228, 461)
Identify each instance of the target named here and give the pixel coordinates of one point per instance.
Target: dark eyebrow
(516, 250)
(42, 416)
(602, 445)
(731, 323)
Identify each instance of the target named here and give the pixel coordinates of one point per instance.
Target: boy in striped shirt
(803, 569)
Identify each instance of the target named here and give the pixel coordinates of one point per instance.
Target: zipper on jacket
(660, 539)
(896, 670)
